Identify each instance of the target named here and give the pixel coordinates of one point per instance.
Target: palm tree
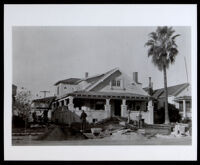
(163, 50)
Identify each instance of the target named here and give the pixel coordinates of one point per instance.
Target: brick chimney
(135, 77)
(86, 74)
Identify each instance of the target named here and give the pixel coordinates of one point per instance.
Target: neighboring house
(178, 95)
(40, 105)
(101, 96)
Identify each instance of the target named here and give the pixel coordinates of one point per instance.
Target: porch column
(108, 108)
(71, 104)
(184, 109)
(151, 112)
(60, 103)
(65, 102)
(124, 112)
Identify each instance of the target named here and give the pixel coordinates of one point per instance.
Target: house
(101, 96)
(178, 95)
(40, 105)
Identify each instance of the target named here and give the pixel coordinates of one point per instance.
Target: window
(131, 105)
(113, 82)
(99, 105)
(188, 106)
(58, 90)
(65, 87)
(181, 106)
(116, 83)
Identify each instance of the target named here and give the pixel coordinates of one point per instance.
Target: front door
(117, 107)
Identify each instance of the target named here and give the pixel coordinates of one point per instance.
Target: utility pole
(186, 70)
(45, 92)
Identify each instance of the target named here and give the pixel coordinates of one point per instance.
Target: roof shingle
(172, 90)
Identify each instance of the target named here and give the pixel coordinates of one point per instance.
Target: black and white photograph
(100, 85)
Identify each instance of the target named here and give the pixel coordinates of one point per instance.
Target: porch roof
(182, 98)
(111, 95)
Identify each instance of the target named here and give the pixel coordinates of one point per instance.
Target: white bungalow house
(102, 96)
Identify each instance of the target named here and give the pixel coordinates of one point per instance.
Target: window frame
(116, 83)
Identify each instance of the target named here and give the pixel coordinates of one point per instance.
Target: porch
(99, 106)
(184, 105)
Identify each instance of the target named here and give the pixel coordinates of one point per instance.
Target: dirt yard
(117, 138)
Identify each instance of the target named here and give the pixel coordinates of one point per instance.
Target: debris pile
(181, 130)
(56, 132)
(108, 127)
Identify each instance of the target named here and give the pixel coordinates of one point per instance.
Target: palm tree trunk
(166, 96)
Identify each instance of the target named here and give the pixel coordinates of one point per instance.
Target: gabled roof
(100, 78)
(96, 80)
(71, 81)
(172, 90)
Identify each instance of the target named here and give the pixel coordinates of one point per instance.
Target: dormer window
(113, 83)
(116, 83)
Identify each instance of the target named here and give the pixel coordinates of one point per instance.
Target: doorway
(117, 107)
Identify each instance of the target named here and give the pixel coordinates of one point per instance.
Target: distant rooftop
(71, 81)
(44, 100)
(172, 90)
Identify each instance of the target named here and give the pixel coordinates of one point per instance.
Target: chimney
(135, 77)
(150, 86)
(149, 82)
(86, 74)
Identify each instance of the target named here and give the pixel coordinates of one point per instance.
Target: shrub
(174, 115)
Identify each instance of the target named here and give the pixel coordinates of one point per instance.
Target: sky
(44, 55)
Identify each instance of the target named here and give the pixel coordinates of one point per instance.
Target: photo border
(2, 116)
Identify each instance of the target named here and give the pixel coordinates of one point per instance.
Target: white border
(97, 15)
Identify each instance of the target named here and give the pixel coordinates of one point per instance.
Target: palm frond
(173, 38)
(153, 35)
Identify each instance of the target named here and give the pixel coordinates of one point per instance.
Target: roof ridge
(182, 88)
(172, 86)
(100, 74)
(76, 79)
(110, 71)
